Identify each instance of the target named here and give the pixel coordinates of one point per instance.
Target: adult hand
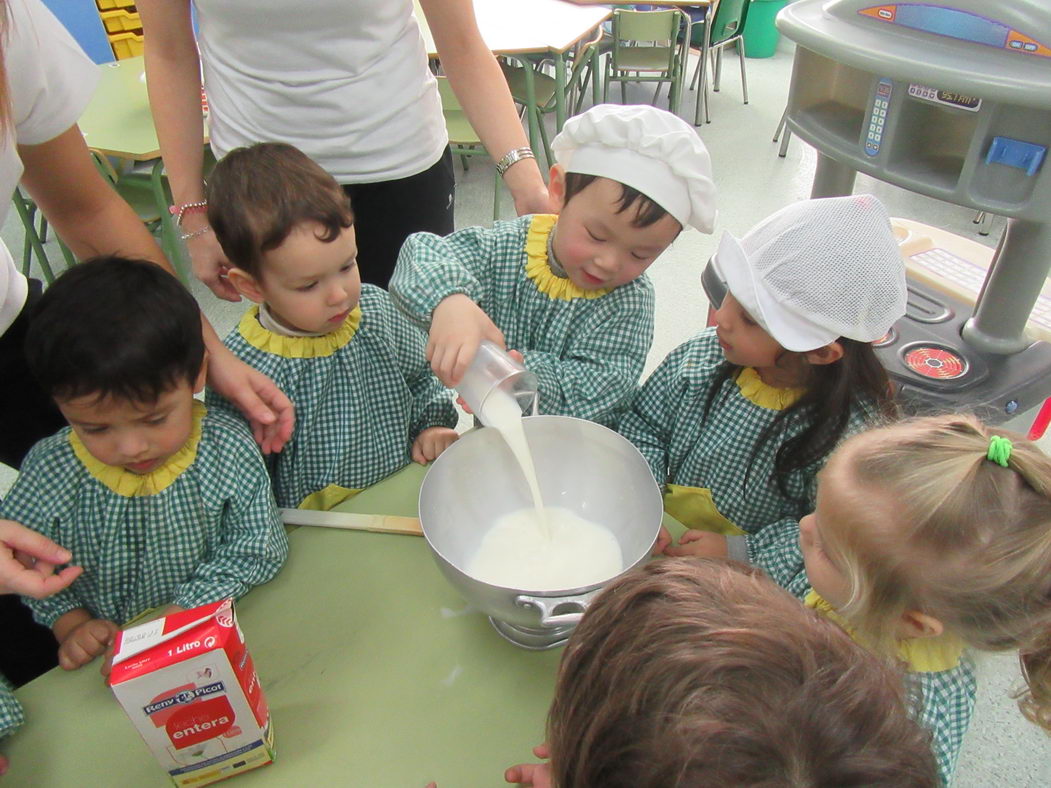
(458, 326)
(209, 262)
(531, 197)
(28, 560)
(268, 410)
(534, 775)
(700, 544)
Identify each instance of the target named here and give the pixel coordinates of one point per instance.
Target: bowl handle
(547, 606)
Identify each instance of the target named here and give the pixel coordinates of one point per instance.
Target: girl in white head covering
(736, 422)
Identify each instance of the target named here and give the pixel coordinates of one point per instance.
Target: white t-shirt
(346, 81)
(51, 81)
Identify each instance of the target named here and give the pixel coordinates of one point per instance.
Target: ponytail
(971, 543)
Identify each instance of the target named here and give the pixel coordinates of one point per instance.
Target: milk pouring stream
(547, 549)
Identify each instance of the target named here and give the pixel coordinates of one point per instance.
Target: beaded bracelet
(195, 233)
(179, 211)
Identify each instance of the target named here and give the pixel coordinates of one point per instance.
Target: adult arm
(482, 91)
(173, 79)
(92, 219)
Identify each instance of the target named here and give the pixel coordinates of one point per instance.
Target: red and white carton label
(188, 684)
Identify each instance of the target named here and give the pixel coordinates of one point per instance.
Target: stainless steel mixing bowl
(581, 466)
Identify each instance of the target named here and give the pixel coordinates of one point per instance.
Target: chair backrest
(660, 26)
(650, 34)
(461, 133)
(728, 21)
(449, 101)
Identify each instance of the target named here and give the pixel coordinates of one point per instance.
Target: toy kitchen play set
(951, 99)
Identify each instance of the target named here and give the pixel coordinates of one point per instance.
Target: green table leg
(560, 90)
(532, 114)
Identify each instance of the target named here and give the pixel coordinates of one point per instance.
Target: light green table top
(376, 671)
(118, 120)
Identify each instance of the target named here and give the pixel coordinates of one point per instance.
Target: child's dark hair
(647, 212)
(115, 327)
(702, 672)
(259, 194)
(831, 393)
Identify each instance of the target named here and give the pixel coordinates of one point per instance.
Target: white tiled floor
(1001, 747)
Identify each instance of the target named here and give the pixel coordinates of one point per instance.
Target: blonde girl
(929, 537)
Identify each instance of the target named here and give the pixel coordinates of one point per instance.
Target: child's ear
(246, 284)
(915, 624)
(202, 375)
(829, 354)
(556, 187)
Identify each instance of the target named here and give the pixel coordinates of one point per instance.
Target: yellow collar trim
(921, 655)
(297, 347)
(539, 270)
(765, 396)
(132, 485)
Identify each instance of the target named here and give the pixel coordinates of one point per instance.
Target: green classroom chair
(582, 71)
(647, 47)
(463, 139)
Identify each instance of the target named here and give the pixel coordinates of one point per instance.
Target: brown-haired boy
(691, 673)
(366, 401)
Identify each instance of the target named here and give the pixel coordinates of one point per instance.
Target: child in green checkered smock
(366, 401)
(162, 503)
(11, 717)
(931, 537)
(736, 422)
(568, 292)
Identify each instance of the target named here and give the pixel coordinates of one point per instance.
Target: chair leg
(543, 138)
(32, 238)
(702, 87)
(744, 76)
(717, 55)
(496, 197)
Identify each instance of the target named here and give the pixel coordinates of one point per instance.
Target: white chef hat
(648, 149)
(818, 270)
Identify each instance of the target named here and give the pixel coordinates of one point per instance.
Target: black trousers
(386, 213)
(26, 648)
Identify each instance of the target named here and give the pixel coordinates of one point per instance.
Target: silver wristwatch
(513, 156)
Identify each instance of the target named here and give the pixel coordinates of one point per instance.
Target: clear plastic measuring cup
(493, 370)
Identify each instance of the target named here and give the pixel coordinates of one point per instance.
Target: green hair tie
(999, 450)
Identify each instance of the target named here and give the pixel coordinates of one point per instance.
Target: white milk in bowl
(571, 552)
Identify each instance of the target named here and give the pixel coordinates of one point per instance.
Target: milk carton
(189, 686)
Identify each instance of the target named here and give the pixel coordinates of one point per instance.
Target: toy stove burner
(887, 339)
(935, 361)
(538, 639)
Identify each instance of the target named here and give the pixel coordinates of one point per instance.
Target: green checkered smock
(11, 716)
(685, 446)
(212, 532)
(361, 399)
(587, 351)
(946, 697)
